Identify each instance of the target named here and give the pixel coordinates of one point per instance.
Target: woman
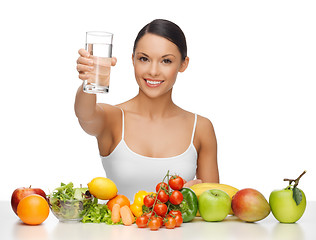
(141, 139)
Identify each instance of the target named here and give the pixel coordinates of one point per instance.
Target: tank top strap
(122, 124)
(194, 126)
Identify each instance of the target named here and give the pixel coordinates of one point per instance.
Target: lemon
(102, 188)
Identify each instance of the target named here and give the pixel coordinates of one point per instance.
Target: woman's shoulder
(201, 120)
(204, 130)
(204, 122)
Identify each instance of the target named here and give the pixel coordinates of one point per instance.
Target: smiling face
(157, 62)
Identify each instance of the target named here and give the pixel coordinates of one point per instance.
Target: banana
(202, 187)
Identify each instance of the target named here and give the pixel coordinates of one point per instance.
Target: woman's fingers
(85, 64)
(192, 182)
(84, 53)
(113, 61)
(85, 61)
(84, 68)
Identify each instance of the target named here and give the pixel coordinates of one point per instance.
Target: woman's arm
(207, 169)
(91, 115)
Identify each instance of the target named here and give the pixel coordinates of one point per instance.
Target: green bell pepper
(189, 204)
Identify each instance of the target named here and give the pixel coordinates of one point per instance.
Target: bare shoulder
(205, 134)
(204, 124)
(111, 110)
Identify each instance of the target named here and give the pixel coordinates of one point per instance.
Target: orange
(33, 209)
(119, 199)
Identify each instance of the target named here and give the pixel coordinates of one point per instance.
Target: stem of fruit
(156, 198)
(296, 181)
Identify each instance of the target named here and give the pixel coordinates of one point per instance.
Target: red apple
(250, 205)
(20, 193)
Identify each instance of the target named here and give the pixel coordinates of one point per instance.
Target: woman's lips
(153, 83)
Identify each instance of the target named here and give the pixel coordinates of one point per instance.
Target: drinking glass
(99, 46)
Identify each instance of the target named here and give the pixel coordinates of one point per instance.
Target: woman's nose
(154, 69)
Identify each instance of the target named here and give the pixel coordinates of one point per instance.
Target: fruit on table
(189, 204)
(214, 205)
(250, 205)
(158, 207)
(33, 209)
(19, 193)
(137, 206)
(120, 200)
(202, 187)
(102, 188)
(288, 205)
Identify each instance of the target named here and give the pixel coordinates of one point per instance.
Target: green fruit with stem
(288, 205)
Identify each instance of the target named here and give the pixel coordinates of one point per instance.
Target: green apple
(288, 205)
(214, 205)
(284, 207)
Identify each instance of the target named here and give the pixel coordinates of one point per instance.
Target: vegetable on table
(189, 204)
(116, 216)
(137, 206)
(99, 213)
(127, 215)
(68, 202)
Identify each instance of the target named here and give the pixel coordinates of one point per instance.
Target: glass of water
(99, 46)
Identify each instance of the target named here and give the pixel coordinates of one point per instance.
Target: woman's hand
(192, 182)
(85, 64)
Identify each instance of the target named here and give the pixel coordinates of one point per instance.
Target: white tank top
(132, 172)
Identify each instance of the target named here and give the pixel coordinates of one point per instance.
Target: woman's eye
(143, 59)
(167, 61)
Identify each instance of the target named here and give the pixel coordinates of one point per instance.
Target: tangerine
(33, 209)
(120, 200)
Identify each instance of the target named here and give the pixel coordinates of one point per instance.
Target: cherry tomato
(161, 209)
(174, 213)
(142, 221)
(160, 220)
(149, 201)
(154, 223)
(176, 197)
(163, 186)
(170, 223)
(149, 214)
(179, 220)
(163, 196)
(176, 182)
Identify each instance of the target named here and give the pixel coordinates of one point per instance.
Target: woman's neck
(154, 108)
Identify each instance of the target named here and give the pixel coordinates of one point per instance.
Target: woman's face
(157, 62)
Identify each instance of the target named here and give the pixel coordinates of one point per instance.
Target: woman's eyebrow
(142, 54)
(168, 55)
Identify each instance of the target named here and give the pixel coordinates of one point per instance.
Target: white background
(252, 73)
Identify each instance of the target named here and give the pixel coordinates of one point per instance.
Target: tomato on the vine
(149, 201)
(163, 196)
(160, 209)
(176, 182)
(142, 221)
(176, 197)
(163, 186)
(170, 223)
(179, 220)
(174, 213)
(154, 223)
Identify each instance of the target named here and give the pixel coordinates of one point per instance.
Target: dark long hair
(166, 29)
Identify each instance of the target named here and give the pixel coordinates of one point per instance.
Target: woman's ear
(184, 64)
(133, 59)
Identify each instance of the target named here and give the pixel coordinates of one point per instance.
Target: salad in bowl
(68, 203)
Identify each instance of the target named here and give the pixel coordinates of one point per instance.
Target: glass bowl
(69, 210)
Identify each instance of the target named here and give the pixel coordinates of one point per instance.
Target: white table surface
(231, 228)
